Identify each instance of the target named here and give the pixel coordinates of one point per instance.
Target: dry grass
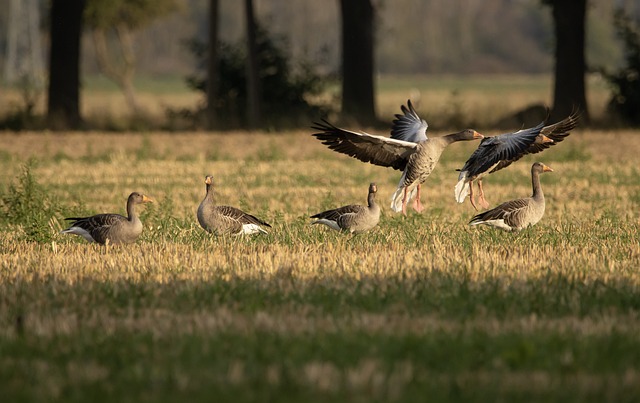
(421, 305)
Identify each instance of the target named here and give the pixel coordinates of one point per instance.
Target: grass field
(422, 308)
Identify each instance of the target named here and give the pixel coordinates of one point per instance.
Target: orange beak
(477, 136)
(546, 139)
(546, 169)
(146, 199)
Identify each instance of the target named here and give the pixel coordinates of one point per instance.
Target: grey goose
(226, 220)
(517, 214)
(110, 228)
(353, 218)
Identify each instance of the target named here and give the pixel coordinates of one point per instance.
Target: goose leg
(483, 202)
(473, 202)
(417, 206)
(404, 202)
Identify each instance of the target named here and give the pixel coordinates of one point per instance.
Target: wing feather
(409, 126)
(376, 150)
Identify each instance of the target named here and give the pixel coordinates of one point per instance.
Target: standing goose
(498, 152)
(353, 218)
(517, 214)
(416, 159)
(112, 228)
(222, 220)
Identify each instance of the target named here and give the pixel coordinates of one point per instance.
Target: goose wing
(409, 126)
(376, 150)
(98, 226)
(556, 132)
(510, 212)
(334, 214)
(236, 215)
(502, 147)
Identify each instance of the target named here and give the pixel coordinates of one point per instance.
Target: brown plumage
(517, 214)
(416, 159)
(222, 220)
(353, 218)
(111, 228)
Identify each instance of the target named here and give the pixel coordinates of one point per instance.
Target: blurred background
(148, 64)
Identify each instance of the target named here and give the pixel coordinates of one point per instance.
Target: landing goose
(498, 152)
(517, 214)
(222, 220)
(111, 228)
(353, 218)
(416, 159)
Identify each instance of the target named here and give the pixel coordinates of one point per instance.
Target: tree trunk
(123, 74)
(357, 60)
(254, 101)
(212, 64)
(569, 18)
(63, 104)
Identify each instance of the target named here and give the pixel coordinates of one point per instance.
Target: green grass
(420, 308)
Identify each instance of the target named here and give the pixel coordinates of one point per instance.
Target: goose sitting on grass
(353, 218)
(517, 214)
(410, 152)
(110, 228)
(223, 220)
(498, 152)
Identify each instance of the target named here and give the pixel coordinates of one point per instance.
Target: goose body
(111, 228)
(517, 214)
(222, 220)
(498, 152)
(353, 218)
(410, 152)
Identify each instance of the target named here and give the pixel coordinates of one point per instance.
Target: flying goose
(416, 159)
(353, 218)
(517, 214)
(112, 228)
(498, 152)
(225, 219)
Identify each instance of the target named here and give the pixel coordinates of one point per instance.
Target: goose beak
(477, 136)
(546, 139)
(207, 180)
(146, 199)
(546, 169)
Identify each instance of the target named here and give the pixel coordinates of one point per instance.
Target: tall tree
(569, 19)
(357, 60)
(254, 92)
(123, 17)
(212, 64)
(63, 104)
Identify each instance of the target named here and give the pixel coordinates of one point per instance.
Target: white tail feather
(329, 223)
(461, 190)
(249, 229)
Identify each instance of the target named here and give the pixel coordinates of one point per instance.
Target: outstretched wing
(409, 126)
(376, 150)
(556, 132)
(506, 146)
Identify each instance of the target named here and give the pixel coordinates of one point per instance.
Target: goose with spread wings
(498, 152)
(416, 156)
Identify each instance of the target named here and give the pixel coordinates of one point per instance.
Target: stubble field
(421, 308)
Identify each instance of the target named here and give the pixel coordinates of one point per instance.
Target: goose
(110, 228)
(416, 159)
(353, 218)
(222, 220)
(517, 214)
(498, 152)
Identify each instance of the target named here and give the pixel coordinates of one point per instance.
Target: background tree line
(396, 37)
